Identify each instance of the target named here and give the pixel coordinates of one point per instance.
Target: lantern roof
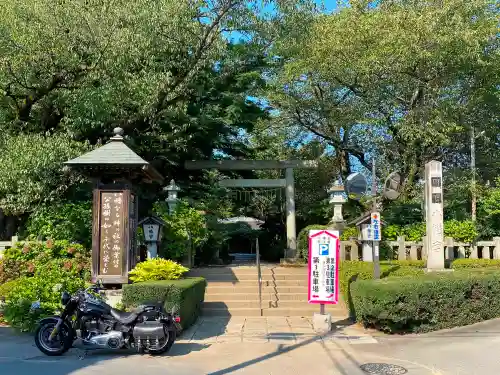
(151, 220)
(115, 156)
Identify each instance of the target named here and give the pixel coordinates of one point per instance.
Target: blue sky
(329, 6)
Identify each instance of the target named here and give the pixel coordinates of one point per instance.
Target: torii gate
(287, 183)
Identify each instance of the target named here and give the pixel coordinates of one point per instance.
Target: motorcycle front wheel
(58, 345)
(170, 339)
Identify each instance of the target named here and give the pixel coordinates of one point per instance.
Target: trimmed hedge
(351, 271)
(427, 302)
(186, 294)
(467, 263)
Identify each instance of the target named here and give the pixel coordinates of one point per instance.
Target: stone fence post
(496, 251)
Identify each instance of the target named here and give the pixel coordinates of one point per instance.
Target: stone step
(304, 311)
(246, 271)
(250, 283)
(231, 312)
(238, 289)
(337, 314)
(266, 303)
(240, 278)
(254, 295)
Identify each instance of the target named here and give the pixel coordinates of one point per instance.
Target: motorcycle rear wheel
(60, 345)
(168, 344)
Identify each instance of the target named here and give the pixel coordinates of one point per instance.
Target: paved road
(472, 350)
(252, 347)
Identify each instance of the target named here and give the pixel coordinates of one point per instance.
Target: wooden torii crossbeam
(288, 183)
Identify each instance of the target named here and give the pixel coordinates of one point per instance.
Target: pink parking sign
(323, 284)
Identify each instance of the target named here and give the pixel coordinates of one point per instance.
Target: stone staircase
(234, 291)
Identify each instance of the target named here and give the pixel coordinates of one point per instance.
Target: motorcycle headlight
(65, 297)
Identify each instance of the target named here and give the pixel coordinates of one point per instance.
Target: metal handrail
(259, 273)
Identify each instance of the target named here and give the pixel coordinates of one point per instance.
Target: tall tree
(396, 79)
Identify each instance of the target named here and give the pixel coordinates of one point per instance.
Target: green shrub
(391, 232)
(351, 271)
(157, 269)
(46, 288)
(461, 231)
(303, 239)
(186, 295)
(467, 263)
(70, 221)
(6, 287)
(427, 302)
(185, 227)
(25, 259)
(349, 232)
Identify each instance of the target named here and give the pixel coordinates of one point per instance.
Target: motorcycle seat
(125, 317)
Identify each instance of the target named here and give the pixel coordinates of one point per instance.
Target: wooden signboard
(113, 250)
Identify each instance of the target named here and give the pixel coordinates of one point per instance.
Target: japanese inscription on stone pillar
(434, 214)
(111, 245)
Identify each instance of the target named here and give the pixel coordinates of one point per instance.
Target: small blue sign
(324, 249)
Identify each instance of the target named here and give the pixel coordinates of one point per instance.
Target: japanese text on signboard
(323, 266)
(111, 247)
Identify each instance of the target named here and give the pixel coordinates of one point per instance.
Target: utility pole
(375, 247)
(473, 172)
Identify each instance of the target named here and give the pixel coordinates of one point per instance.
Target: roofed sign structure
(114, 156)
(113, 168)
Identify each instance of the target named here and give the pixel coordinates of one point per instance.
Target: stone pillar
(291, 232)
(434, 215)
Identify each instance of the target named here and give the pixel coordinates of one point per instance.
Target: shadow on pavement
(19, 355)
(282, 349)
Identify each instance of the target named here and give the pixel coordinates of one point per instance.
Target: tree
(391, 79)
(71, 70)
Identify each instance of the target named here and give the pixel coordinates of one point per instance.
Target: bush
(70, 221)
(303, 239)
(186, 295)
(45, 287)
(185, 227)
(467, 263)
(348, 233)
(157, 269)
(5, 288)
(24, 259)
(461, 231)
(427, 302)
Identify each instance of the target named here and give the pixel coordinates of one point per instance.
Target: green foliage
(414, 232)
(427, 302)
(391, 232)
(69, 221)
(30, 258)
(45, 287)
(31, 169)
(157, 269)
(185, 295)
(462, 231)
(350, 271)
(303, 239)
(467, 263)
(185, 227)
(6, 287)
(348, 233)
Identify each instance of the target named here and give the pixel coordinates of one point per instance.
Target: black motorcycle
(99, 326)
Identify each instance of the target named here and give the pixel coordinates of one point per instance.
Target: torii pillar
(288, 183)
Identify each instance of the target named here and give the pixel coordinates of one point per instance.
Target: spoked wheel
(58, 345)
(165, 344)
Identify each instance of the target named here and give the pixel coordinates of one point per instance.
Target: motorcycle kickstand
(83, 355)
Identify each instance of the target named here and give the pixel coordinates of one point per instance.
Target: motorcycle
(148, 329)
